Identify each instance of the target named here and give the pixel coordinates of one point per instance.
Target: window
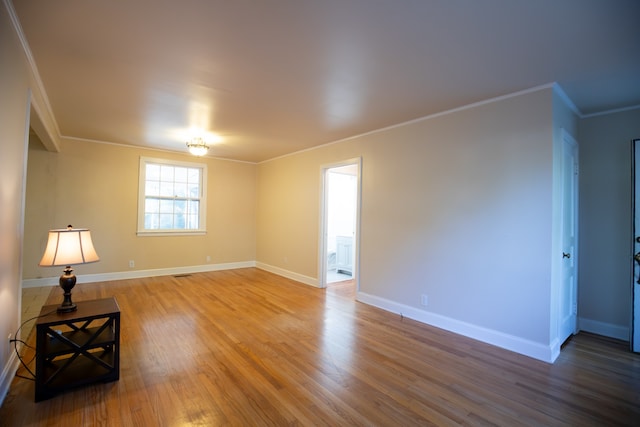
(172, 197)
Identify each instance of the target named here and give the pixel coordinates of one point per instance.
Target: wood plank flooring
(249, 348)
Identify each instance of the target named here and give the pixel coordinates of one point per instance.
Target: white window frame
(202, 215)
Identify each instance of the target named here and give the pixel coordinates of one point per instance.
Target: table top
(85, 310)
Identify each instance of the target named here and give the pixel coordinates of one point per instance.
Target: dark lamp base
(67, 282)
(62, 308)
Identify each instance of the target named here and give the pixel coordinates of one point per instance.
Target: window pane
(194, 190)
(166, 206)
(166, 189)
(152, 172)
(180, 175)
(180, 189)
(152, 188)
(179, 221)
(194, 175)
(151, 221)
(152, 206)
(166, 221)
(166, 173)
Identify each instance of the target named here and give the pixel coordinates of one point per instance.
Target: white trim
(510, 342)
(144, 147)
(554, 86)
(540, 351)
(8, 374)
(311, 281)
(613, 111)
(42, 128)
(605, 329)
(555, 346)
(420, 119)
(136, 274)
(142, 196)
(38, 81)
(165, 233)
(33, 68)
(322, 238)
(634, 321)
(563, 95)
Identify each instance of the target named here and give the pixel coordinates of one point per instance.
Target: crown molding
(40, 101)
(612, 111)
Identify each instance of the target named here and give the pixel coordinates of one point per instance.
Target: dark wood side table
(77, 348)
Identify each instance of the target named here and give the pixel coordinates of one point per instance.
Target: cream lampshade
(66, 247)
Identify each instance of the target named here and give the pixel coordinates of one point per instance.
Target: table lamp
(66, 247)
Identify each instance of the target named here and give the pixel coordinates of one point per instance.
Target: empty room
(341, 212)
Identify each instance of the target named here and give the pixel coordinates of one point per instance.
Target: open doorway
(340, 213)
(33, 296)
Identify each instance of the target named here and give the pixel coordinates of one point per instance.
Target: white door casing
(635, 286)
(324, 225)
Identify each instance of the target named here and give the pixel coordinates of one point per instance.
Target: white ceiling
(271, 77)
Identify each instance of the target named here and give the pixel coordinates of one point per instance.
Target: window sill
(160, 233)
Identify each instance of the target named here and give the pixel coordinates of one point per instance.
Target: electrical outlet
(132, 263)
(424, 300)
(208, 258)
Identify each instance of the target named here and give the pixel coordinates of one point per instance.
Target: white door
(635, 308)
(569, 286)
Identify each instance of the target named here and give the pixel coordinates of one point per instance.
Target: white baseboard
(136, 274)
(546, 353)
(605, 329)
(510, 342)
(8, 373)
(288, 274)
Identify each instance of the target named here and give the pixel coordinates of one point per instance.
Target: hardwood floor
(246, 347)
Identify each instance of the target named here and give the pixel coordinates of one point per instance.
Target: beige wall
(457, 207)
(96, 186)
(605, 221)
(14, 108)
(288, 206)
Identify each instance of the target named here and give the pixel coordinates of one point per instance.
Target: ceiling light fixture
(197, 147)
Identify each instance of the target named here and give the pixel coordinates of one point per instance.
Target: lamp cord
(15, 342)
